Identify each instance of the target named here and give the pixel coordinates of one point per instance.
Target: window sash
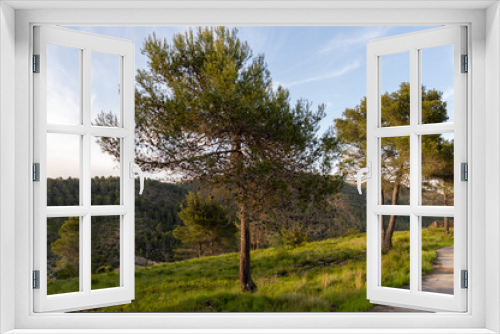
(86, 298)
(414, 298)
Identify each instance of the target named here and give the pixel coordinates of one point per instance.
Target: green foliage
(437, 170)
(105, 242)
(110, 279)
(396, 263)
(351, 232)
(155, 218)
(293, 237)
(67, 271)
(206, 110)
(207, 228)
(434, 237)
(437, 152)
(61, 192)
(104, 269)
(323, 276)
(66, 248)
(351, 132)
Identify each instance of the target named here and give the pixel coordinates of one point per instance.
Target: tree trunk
(387, 243)
(199, 249)
(446, 224)
(246, 281)
(257, 240)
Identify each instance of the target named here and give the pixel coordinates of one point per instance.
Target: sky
(325, 65)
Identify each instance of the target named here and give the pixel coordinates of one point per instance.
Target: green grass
(324, 276)
(396, 263)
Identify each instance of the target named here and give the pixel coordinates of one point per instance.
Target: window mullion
(85, 237)
(85, 178)
(86, 99)
(99, 131)
(414, 168)
(85, 240)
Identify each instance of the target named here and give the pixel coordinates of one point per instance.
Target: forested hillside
(156, 213)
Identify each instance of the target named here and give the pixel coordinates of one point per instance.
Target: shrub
(66, 272)
(104, 269)
(293, 237)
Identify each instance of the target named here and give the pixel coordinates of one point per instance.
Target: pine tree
(206, 227)
(206, 110)
(395, 151)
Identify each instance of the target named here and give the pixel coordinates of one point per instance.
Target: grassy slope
(322, 276)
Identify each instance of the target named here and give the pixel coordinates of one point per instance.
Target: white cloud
(347, 68)
(63, 83)
(63, 155)
(448, 94)
(368, 34)
(102, 164)
(62, 105)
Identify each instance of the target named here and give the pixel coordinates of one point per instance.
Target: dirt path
(440, 280)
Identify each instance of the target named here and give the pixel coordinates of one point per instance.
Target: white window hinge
(36, 63)
(36, 279)
(464, 279)
(464, 171)
(465, 64)
(36, 172)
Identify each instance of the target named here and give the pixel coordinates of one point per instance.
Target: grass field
(323, 276)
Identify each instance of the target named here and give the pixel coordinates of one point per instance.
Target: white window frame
(484, 50)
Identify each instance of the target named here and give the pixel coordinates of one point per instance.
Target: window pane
(437, 170)
(437, 254)
(63, 85)
(105, 170)
(63, 255)
(437, 84)
(395, 89)
(395, 171)
(105, 252)
(396, 255)
(63, 169)
(105, 77)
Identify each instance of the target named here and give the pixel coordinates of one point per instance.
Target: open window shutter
(416, 295)
(80, 292)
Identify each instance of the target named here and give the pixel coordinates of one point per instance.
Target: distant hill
(350, 209)
(156, 216)
(155, 211)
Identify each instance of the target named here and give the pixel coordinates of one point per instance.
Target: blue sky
(326, 65)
